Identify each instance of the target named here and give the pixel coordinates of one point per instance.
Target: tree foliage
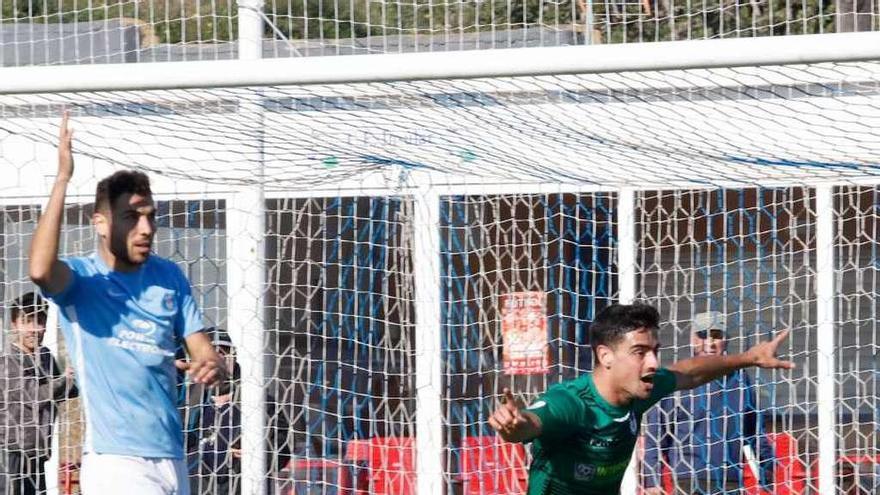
(187, 21)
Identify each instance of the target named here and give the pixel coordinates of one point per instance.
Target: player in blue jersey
(123, 312)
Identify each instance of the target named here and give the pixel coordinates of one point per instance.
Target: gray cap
(710, 320)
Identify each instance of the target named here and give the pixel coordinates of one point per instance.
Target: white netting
(720, 127)
(70, 32)
(527, 171)
(748, 254)
(859, 345)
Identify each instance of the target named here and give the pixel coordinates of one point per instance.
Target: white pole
(429, 370)
(825, 328)
(250, 30)
(245, 230)
(590, 21)
(626, 268)
(245, 281)
(626, 244)
(584, 59)
(50, 341)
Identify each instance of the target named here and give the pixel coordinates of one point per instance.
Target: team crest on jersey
(168, 302)
(584, 472)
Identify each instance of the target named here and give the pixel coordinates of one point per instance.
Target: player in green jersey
(583, 431)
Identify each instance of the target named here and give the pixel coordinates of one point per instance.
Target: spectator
(31, 384)
(214, 430)
(701, 434)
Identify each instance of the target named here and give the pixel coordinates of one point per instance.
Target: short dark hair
(121, 182)
(615, 321)
(30, 304)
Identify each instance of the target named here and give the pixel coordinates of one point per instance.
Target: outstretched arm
(514, 424)
(696, 371)
(46, 270)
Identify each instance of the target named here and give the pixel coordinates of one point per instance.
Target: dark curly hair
(615, 321)
(121, 182)
(30, 304)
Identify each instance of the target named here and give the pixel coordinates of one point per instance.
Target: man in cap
(213, 429)
(703, 434)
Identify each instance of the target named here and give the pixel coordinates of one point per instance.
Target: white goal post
(552, 61)
(443, 161)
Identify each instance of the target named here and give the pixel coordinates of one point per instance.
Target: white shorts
(108, 474)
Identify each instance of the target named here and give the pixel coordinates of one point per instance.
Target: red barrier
(490, 465)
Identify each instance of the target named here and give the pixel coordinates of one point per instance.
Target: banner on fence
(524, 333)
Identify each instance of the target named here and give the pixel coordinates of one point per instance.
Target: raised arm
(696, 371)
(514, 424)
(46, 270)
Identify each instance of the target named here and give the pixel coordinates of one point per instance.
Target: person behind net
(31, 386)
(123, 312)
(702, 434)
(583, 431)
(213, 433)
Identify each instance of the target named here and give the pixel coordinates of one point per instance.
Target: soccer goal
(391, 240)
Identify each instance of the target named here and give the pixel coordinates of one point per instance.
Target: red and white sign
(524, 333)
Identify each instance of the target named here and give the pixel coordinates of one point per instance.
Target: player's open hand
(763, 355)
(206, 371)
(65, 149)
(508, 419)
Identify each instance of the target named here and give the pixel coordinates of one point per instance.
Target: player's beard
(121, 250)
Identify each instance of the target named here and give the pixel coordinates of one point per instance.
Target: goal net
(67, 32)
(412, 247)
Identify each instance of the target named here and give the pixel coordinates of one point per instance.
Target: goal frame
(245, 269)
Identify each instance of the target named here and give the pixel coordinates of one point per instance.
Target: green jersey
(586, 443)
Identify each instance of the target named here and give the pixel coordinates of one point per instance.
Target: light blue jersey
(122, 330)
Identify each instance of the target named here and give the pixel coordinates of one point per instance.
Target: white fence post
(429, 358)
(245, 231)
(626, 272)
(825, 333)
